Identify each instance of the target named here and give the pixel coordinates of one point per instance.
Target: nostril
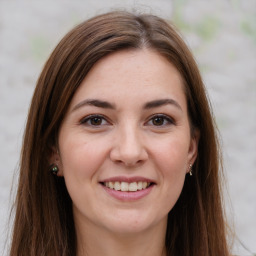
(129, 152)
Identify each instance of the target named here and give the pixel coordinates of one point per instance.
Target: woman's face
(125, 144)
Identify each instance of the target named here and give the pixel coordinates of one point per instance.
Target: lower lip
(128, 196)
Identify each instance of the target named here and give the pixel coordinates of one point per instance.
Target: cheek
(81, 161)
(81, 158)
(171, 159)
(172, 154)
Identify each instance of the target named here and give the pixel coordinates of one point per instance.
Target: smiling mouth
(126, 186)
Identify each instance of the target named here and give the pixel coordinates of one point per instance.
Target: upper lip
(128, 179)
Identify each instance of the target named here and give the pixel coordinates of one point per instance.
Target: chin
(131, 224)
(129, 229)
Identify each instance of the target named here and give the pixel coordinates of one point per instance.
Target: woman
(120, 154)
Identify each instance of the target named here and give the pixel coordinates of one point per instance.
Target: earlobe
(193, 148)
(54, 169)
(55, 163)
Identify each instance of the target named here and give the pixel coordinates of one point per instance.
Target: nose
(128, 147)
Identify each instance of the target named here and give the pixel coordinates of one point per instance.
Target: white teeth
(144, 184)
(117, 185)
(125, 186)
(139, 186)
(133, 186)
(110, 184)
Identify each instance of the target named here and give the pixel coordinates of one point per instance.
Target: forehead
(132, 74)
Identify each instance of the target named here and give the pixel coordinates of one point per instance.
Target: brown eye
(96, 121)
(158, 121)
(161, 120)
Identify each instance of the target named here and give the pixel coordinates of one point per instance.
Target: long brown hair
(43, 220)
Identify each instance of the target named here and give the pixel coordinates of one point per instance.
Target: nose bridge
(129, 148)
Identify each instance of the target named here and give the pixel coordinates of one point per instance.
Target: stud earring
(54, 169)
(190, 169)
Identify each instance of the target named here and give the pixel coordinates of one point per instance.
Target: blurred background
(220, 33)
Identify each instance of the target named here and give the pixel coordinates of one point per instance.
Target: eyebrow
(107, 105)
(94, 102)
(161, 102)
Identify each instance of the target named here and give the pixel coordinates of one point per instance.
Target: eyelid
(169, 119)
(85, 119)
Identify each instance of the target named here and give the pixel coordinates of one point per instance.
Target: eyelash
(87, 119)
(164, 118)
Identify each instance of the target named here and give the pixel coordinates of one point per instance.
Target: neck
(97, 242)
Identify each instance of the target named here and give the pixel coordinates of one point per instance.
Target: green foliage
(206, 28)
(39, 47)
(248, 27)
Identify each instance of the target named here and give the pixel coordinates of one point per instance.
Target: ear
(56, 160)
(193, 147)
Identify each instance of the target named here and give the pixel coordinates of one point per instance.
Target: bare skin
(99, 243)
(124, 150)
